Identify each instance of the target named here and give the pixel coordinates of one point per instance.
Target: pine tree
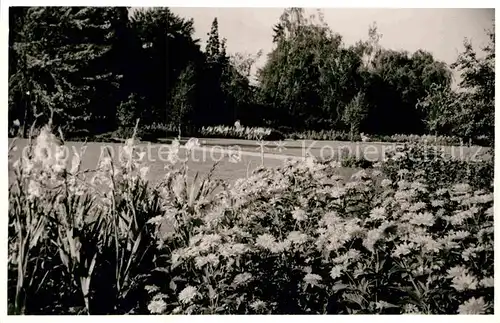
(213, 44)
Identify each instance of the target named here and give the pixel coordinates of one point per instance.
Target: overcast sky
(439, 31)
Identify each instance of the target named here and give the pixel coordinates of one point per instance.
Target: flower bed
(239, 132)
(258, 133)
(295, 239)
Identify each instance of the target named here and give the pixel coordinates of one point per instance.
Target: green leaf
(339, 286)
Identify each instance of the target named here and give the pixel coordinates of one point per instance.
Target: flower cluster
(255, 133)
(301, 240)
(298, 239)
(239, 132)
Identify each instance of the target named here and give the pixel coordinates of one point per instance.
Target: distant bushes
(429, 139)
(151, 133)
(397, 138)
(157, 131)
(438, 169)
(256, 133)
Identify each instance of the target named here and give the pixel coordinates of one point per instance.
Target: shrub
(424, 139)
(440, 170)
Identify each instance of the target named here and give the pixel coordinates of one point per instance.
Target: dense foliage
(96, 70)
(410, 234)
(469, 112)
(295, 239)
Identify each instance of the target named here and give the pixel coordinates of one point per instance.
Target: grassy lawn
(202, 161)
(373, 151)
(198, 161)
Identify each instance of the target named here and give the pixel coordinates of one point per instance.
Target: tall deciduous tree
(306, 73)
(394, 84)
(477, 116)
(355, 113)
(468, 111)
(166, 47)
(183, 97)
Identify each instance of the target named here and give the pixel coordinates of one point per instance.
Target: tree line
(97, 69)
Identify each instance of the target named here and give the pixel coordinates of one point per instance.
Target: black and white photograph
(250, 161)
